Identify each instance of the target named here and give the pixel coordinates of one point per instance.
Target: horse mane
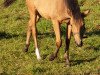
(74, 7)
(8, 2)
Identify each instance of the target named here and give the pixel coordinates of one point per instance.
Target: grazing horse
(57, 11)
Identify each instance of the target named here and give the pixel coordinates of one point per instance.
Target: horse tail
(8, 2)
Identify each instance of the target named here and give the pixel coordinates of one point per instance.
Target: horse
(58, 11)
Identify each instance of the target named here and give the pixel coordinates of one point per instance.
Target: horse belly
(51, 9)
(43, 7)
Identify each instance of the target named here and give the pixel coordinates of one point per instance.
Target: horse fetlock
(66, 56)
(58, 44)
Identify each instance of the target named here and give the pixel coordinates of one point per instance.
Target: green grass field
(13, 61)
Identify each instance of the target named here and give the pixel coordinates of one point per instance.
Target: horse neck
(74, 10)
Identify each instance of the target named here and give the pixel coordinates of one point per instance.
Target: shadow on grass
(4, 35)
(95, 32)
(4, 73)
(52, 33)
(46, 34)
(63, 33)
(96, 48)
(77, 62)
(90, 33)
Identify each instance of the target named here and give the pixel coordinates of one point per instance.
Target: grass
(13, 61)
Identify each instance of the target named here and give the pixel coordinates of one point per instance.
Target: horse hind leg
(28, 36)
(32, 28)
(29, 33)
(29, 27)
(34, 34)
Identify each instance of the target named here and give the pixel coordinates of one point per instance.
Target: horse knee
(59, 43)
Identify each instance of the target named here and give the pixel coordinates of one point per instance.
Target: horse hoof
(52, 57)
(25, 50)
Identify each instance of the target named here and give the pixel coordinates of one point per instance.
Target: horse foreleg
(58, 39)
(68, 36)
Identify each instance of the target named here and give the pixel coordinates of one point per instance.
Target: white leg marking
(37, 54)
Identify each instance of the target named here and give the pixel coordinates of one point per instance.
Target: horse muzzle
(79, 44)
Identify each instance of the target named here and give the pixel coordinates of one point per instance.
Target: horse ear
(85, 13)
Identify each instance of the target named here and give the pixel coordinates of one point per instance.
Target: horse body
(51, 9)
(57, 11)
